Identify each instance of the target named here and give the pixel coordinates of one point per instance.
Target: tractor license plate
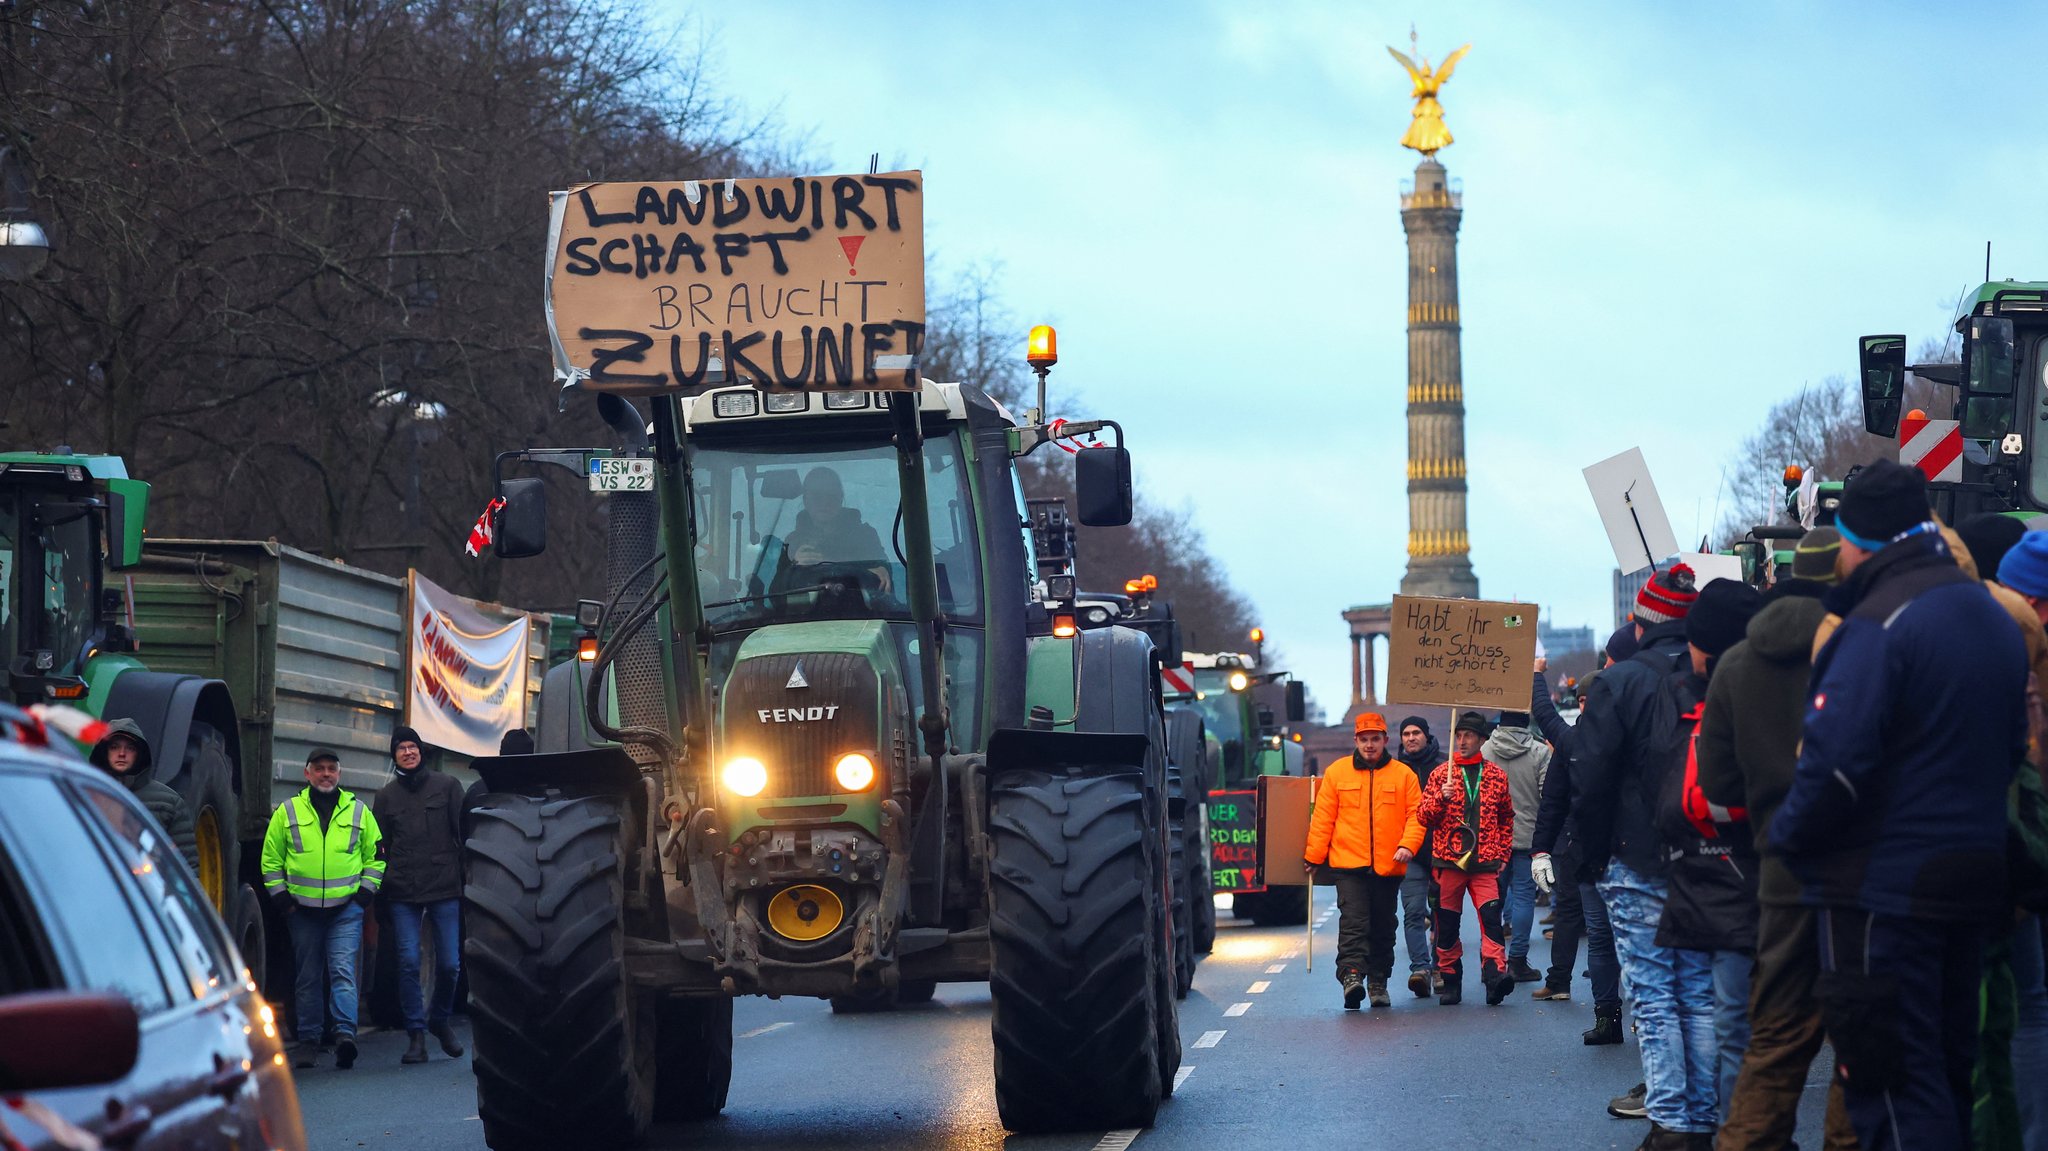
(610, 474)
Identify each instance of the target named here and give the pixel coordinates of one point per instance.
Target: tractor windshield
(1223, 713)
(49, 577)
(793, 532)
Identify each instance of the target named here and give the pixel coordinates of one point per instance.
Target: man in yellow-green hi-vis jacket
(321, 866)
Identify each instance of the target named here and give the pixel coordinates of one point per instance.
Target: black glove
(363, 896)
(282, 900)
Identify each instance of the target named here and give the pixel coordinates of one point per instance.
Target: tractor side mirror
(1102, 486)
(1297, 701)
(522, 528)
(1988, 377)
(127, 510)
(1881, 366)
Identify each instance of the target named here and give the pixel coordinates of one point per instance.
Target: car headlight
(855, 772)
(745, 776)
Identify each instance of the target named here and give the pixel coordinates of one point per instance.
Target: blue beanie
(2025, 566)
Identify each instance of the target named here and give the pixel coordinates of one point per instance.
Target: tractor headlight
(855, 772)
(745, 776)
(1239, 681)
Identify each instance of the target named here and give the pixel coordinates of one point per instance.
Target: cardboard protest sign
(1461, 653)
(812, 283)
(1637, 527)
(1285, 804)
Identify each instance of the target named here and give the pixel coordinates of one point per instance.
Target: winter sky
(1674, 216)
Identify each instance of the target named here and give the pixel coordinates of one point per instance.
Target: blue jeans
(1732, 970)
(444, 919)
(1674, 996)
(1520, 888)
(2030, 1036)
(324, 943)
(1415, 916)
(1601, 963)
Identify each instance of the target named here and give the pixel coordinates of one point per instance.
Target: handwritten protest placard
(1461, 652)
(812, 283)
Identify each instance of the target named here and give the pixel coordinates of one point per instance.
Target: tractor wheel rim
(206, 829)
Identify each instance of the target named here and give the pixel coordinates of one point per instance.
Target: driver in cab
(829, 532)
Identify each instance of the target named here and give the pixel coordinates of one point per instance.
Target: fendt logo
(796, 714)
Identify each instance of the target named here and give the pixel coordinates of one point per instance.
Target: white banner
(468, 672)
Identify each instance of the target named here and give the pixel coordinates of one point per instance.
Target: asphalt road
(1273, 1061)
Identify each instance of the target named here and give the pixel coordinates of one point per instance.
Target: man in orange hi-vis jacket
(1365, 831)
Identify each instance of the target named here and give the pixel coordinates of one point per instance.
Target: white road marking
(1276, 969)
(1210, 1039)
(1235, 1010)
(1117, 1140)
(1259, 988)
(1294, 954)
(764, 1030)
(1181, 1076)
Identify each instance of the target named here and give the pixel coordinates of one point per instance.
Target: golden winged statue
(1426, 132)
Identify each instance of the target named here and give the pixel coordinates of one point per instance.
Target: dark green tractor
(840, 739)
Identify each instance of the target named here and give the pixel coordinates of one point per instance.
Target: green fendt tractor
(839, 739)
(67, 631)
(2000, 399)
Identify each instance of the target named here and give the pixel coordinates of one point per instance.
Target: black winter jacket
(421, 818)
(1616, 767)
(1422, 763)
(1555, 831)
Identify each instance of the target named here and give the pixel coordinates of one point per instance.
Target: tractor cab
(64, 519)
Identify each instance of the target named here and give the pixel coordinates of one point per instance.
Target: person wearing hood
(124, 754)
(1471, 819)
(420, 811)
(1894, 825)
(1363, 832)
(1526, 760)
(1421, 752)
(1711, 907)
(1621, 758)
(1749, 742)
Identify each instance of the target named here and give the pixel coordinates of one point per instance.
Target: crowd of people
(1785, 818)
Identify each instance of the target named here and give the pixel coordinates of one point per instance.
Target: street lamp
(24, 245)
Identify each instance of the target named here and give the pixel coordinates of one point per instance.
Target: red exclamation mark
(851, 244)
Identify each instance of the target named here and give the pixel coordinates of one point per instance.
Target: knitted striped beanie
(1668, 596)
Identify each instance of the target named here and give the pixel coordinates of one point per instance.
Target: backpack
(1709, 819)
(1666, 756)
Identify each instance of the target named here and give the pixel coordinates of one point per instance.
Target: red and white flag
(486, 524)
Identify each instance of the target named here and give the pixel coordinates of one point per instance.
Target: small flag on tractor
(486, 524)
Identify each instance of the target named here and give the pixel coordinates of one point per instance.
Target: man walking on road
(1526, 760)
(1894, 825)
(321, 869)
(420, 812)
(1365, 830)
(1471, 818)
(1421, 752)
(1631, 729)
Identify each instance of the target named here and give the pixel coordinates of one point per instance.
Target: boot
(450, 1045)
(1630, 1106)
(344, 1051)
(1354, 989)
(1497, 981)
(1553, 994)
(1606, 1027)
(1662, 1138)
(415, 1048)
(1376, 993)
(1523, 973)
(305, 1056)
(1450, 988)
(1420, 983)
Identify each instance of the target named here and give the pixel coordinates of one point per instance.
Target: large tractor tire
(692, 1058)
(1183, 910)
(563, 1058)
(205, 776)
(1203, 882)
(251, 939)
(1074, 975)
